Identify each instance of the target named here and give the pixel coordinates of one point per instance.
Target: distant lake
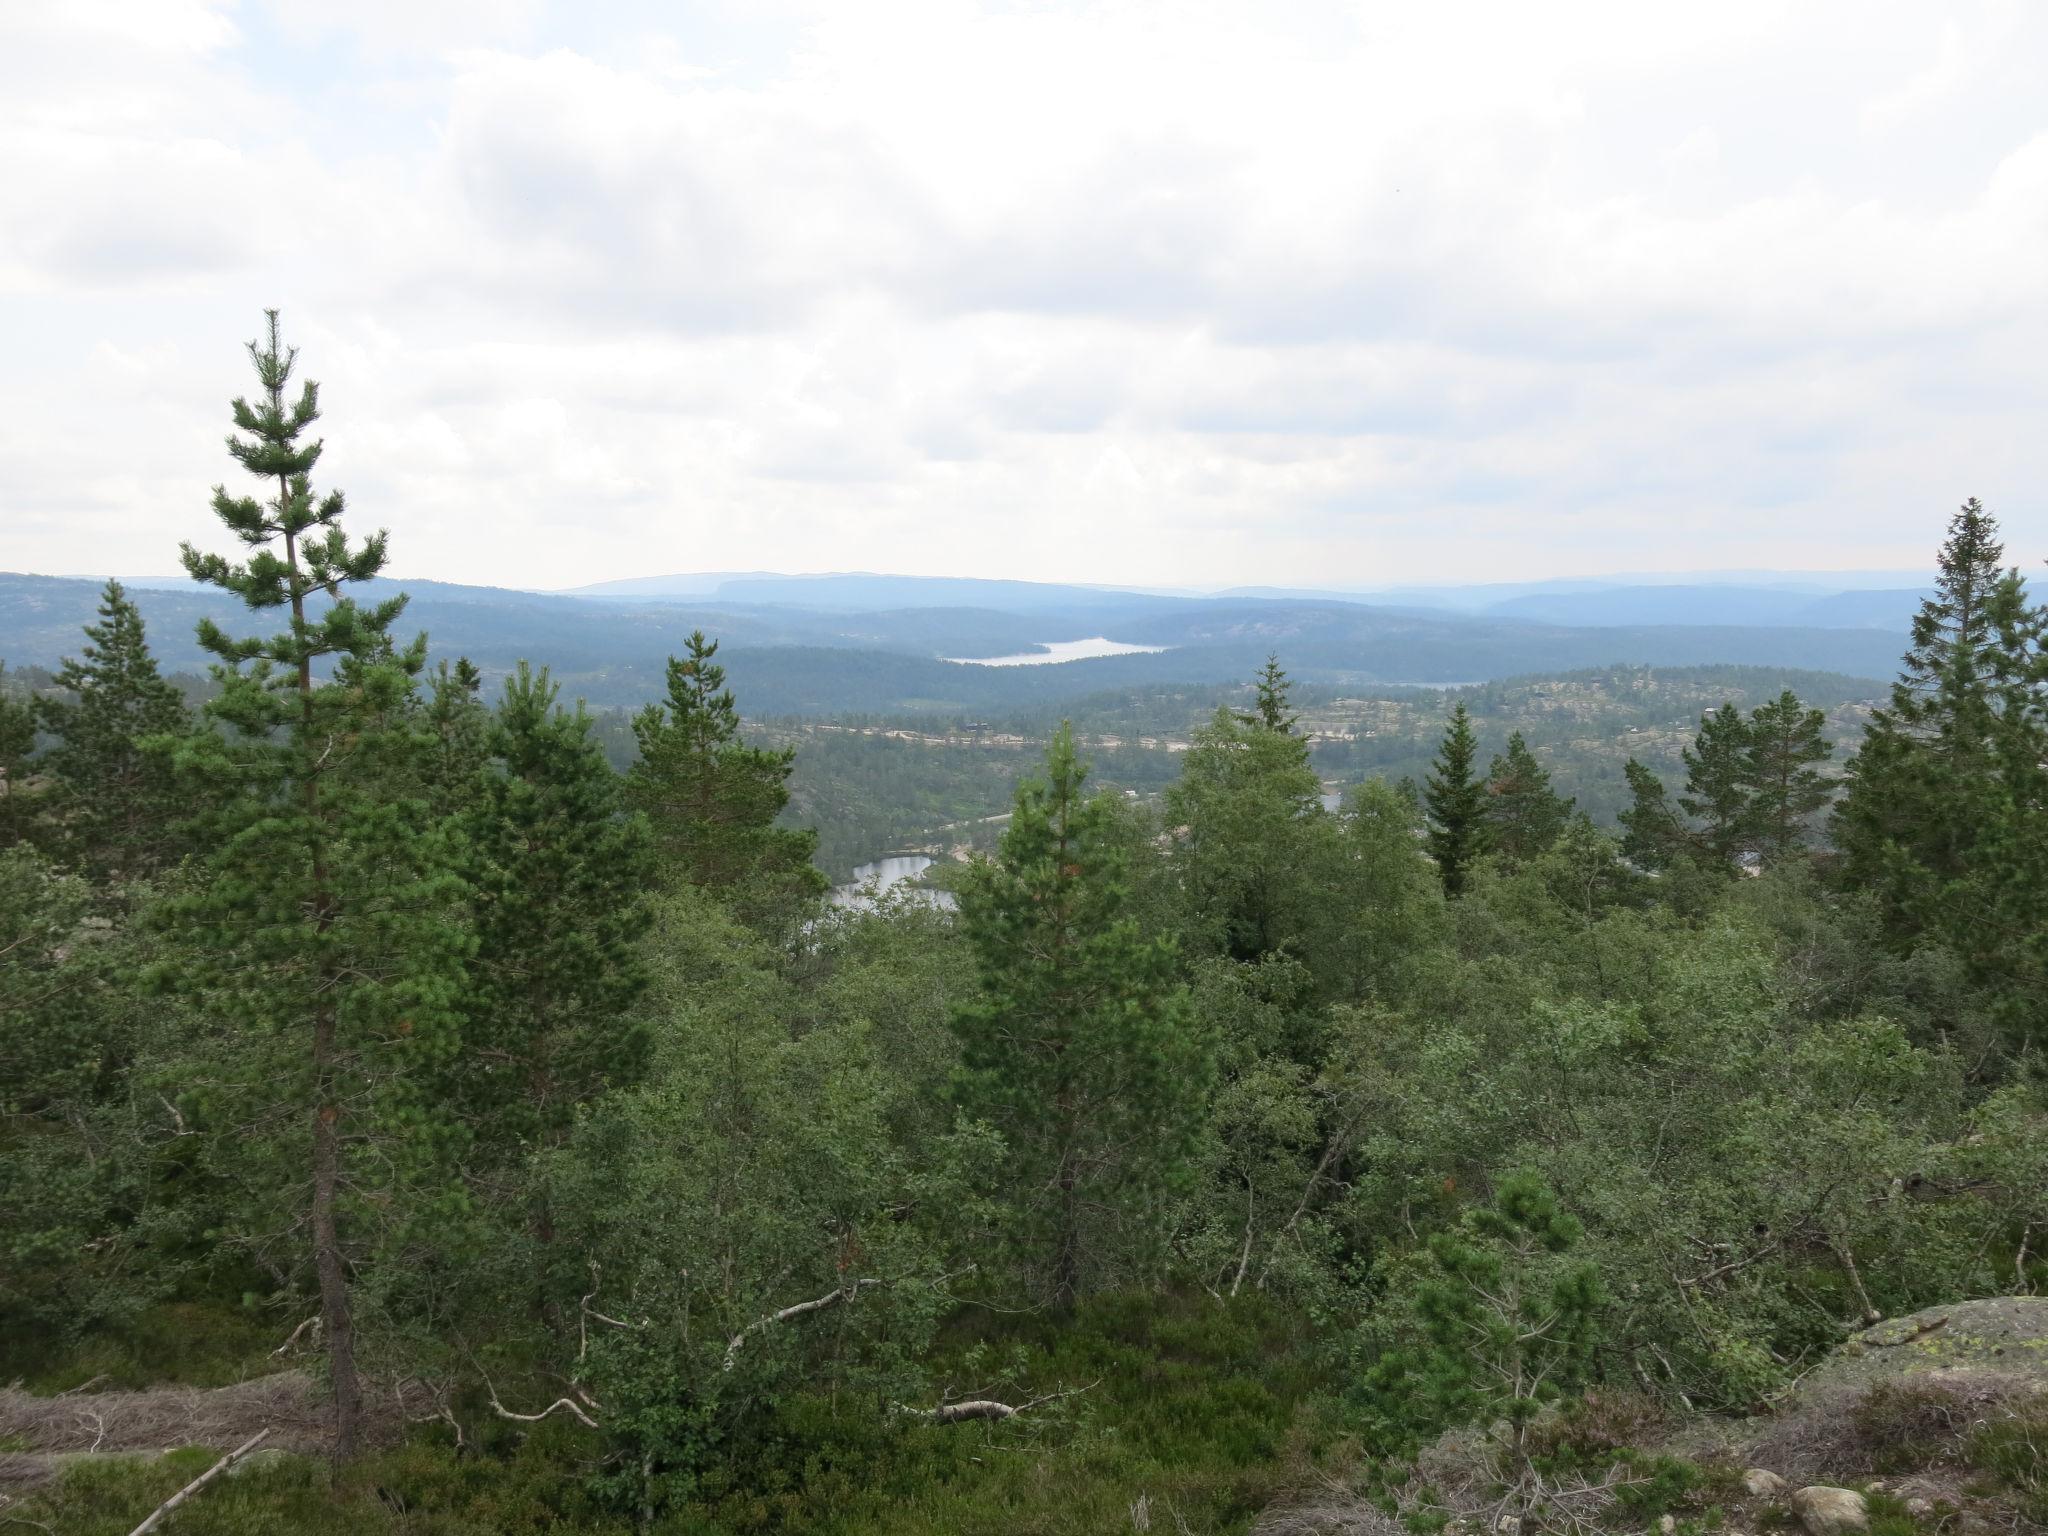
(873, 881)
(1059, 650)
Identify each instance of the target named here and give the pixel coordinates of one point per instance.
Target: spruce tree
(118, 805)
(1942, 816)
(1718, 790)
(1787, 789)
(1455, 798)
(712, 800)
(558, 876)
(1077, 1046)
(459, 727)
(1269, 710)
(1251, 836)
(1653, 834)
(322, 935)
(1524, 815)
(1919, 788)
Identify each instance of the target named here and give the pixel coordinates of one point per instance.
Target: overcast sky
(1311, 294)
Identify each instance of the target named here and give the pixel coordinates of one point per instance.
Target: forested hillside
(793, 660)
(490, 1136)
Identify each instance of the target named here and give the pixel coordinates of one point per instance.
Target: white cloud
(1129, 291)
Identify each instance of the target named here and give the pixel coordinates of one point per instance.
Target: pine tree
(1717, 783)
(712, 800)
(1078, 1046)
(323, 933)
(118, 803)
(1455, 799)
(1509, 1321)
(1269, 711)
(1786, 788)
(1524, 815)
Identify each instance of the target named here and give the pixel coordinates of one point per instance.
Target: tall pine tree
(323, 936)
(1077, 1045)
(1455, 799)
(118, 805)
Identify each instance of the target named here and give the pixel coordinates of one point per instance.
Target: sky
(1283, 293)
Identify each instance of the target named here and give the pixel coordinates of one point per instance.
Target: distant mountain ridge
(1815, 599)
(786, 659)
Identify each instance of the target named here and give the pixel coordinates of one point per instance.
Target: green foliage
(712, 800)
(1752, 785)
(1942, 819)
(1269, 707)
(73, 1019)
(117, 808)
(1505, 1321)
(759, 1168)
(557, 876)
(1250, 836)
(1456, 801)
(1524, 816)
(1075, 1046)
(1786, 788)
(18, 807)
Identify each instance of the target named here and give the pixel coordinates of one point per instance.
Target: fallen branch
(846, 1292)
(986, 1408)
(157, 1515)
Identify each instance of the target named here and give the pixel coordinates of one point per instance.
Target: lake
(871, 881)
(1059, 650)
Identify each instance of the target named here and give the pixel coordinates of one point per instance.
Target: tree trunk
(337, 1319)
(337, 1322)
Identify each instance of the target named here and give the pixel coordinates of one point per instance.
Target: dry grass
(1920, 1424)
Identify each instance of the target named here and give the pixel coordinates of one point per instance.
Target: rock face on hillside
(2004, 1337)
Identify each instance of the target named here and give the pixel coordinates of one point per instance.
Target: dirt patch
(46, 1432)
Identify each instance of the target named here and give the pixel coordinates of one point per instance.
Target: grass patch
(177, 1343)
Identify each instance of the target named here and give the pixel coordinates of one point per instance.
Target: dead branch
(987, 1408)
(157, 1515)
(846, 1292)
(292, 1338)
(534, 1418)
